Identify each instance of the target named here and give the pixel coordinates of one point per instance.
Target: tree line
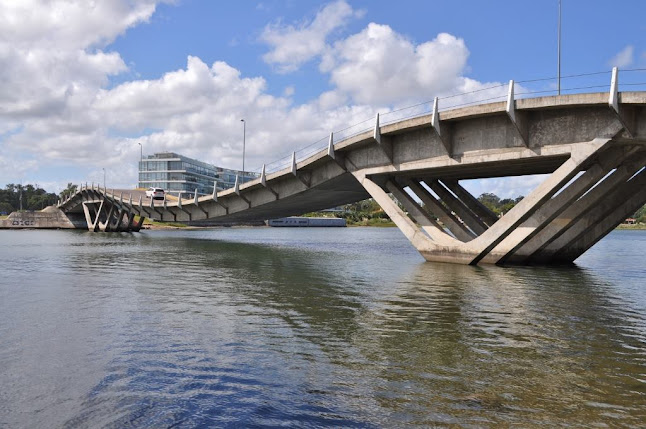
(368, 210)
(502, 206)
(29, 197)
(497, 205)
(640, 215)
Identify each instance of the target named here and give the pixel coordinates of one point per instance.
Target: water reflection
(514, 346)
(255, 328)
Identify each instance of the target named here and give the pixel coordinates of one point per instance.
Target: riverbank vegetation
(640, 215)
(153, 224)
(28, 197)
(362, 213)
(369, 213)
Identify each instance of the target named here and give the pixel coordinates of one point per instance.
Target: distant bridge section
(593, 146)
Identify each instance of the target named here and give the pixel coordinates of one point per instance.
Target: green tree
(70, 190)
(498, 206)
(491, 201)
(5, 208)
(640, 215)
(33, 198)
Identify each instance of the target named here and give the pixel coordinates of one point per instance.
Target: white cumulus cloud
(57, 107)
(378, 65)
(623, 58)
(292, 46)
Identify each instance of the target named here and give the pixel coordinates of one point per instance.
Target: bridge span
(592, 146)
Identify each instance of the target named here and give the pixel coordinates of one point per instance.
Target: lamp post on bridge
(244, 135)
(558, 50)
(103, 177)
(141, 160)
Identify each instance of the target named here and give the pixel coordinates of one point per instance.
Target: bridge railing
(631, 80)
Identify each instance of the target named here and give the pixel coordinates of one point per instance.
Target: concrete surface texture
(49, 218)
(591, 145)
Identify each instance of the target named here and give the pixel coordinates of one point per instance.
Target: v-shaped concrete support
(510, 233)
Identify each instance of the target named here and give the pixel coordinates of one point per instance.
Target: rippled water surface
(313, 327)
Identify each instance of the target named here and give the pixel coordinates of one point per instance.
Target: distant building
(177, 173)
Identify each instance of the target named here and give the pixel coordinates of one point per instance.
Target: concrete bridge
(592, 146)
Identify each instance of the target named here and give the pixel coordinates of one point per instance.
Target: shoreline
(637, 227)
(163, 225)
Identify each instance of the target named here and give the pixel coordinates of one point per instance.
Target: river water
(348, 327)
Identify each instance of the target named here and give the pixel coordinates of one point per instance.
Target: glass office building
(176, 173)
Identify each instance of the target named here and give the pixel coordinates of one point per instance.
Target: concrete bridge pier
(579, 203)
(106, 214)
(586, 229)
(597, 203)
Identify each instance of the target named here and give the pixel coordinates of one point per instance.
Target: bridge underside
(593, 155)
(576, 205)
(109, 215)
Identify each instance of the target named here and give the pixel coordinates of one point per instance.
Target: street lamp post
(141, 160)
(244, 135)
(558, 71)
(103, 177)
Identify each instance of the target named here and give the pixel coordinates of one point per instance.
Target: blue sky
(84, 85)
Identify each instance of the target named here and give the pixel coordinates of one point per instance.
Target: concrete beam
(139, 206)
(131, 218)
(179, 206)
(588, 221)
(139, 224)
(263, 182)
(197, 204)
(338, 158)
(92, 223)
(545, 214)
(562, 224)
(383, 141)
(403, 222)
(173, 211)
(305, 178)
(479, 209)
(293, 168)
(624, 203)
(442, 131)
(105, 226)
(518, 119)
(625, 116)
(486, 242)
(453, 224)
(472, 221)
(118, 227)
(236, 189)
(428, 224)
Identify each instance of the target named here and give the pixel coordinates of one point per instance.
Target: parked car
(155, 193)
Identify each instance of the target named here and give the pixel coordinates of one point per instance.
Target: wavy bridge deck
(592, 146)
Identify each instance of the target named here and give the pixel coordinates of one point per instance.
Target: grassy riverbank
(152, 224)
(380, 223)
(372, 222)
(639, 226)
